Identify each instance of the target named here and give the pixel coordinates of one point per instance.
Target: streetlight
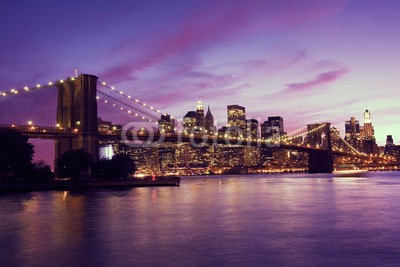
(30, 123)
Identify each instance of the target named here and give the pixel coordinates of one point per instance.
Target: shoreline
(67, 185)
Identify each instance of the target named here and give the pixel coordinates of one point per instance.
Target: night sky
(307, 61)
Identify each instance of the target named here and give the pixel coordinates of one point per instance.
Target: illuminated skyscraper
(368, 128)
(272, 128)
(353, 133)
(251, 128)
(190, 122)
(200, 116)
(237, 119)
(166, 124)
(390, 147)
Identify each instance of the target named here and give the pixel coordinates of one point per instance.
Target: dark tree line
(78, 165)
(16, 155)
(16, 165)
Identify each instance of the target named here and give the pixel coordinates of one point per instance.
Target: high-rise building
(166, 124)
(194, 121)
(352, 127)
(190, 122)
(237, 119)
(353, 133)
(251, 128)
(272, 128)
(166, 155)
(390, 147)
(209, 122)
(368, 128)
(200, 116)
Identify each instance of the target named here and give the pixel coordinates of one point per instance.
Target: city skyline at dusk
(306, 61)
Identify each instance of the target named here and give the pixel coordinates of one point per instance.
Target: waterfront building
(166, 124)
(166, 155)
(145, 158)
(230, 156)
(251, 156)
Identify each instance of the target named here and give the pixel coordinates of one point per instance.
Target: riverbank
(67, 185)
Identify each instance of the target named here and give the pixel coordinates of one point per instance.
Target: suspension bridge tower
(77, 111)
(320, 161)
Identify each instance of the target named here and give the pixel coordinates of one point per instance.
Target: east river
(249, 220)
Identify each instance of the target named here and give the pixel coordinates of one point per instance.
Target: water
(253, 220)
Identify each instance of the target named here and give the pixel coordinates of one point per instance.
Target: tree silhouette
(15, 156)
(74, 164)
(119, 167)
(40, 172)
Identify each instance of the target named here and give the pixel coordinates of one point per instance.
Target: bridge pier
(77, 110)
(320, 161)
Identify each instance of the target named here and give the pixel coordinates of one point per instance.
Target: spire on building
(208, 114)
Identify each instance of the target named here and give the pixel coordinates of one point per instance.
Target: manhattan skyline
(306, 61)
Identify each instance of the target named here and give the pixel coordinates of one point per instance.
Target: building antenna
(76, 72)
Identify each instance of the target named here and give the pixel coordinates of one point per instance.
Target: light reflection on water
(253, 220)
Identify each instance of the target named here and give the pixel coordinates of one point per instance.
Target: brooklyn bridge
(76, 125)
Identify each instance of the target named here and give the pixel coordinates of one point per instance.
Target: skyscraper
(353, 133)
(190, 122)
(237, 119)
(390, 147)
(251, 128)
(368, 128)
(209, 122)
(166, 124)
(272, 128)
(200, 116)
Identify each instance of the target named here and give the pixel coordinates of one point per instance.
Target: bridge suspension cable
(131, 99)
(27, 89)
(124, 106)
(286, 138)
(126, 110)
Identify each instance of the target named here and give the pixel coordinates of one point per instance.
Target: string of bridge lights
(355, 150)
(347, 144)
(27, 89)
(128, 111)
(294, 132)
(299, 135)
(130, 98)
(126, 106)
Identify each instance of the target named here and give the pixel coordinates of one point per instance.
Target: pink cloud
(208, 26)
(321, 79)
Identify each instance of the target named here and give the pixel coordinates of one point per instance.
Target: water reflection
(219, 220)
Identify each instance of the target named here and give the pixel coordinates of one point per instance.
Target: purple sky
(307, 61)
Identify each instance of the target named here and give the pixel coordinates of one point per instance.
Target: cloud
(320, 80)
(208, 26)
